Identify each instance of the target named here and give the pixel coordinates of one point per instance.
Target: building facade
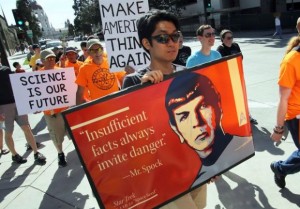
(47, 30)
(238, 14)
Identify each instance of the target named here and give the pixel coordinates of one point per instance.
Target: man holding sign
(95, 75)
(159, 35)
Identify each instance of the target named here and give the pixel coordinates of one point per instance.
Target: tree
(87, 14)
(24, 6)
(173, 6)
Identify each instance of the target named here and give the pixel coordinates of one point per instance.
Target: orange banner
(149, 144)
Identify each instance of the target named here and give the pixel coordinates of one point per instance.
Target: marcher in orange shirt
(95, 75)
(71, 60)
(288, 110)
(18, 67)
(55, 123)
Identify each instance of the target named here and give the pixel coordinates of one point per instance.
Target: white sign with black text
(44, 90)
(119, 19)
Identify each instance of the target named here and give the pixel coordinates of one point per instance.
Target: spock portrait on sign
(194, 108)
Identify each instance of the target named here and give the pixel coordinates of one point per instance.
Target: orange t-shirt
(76, 65)
(98, 79)
(289, 77)
(54, 111)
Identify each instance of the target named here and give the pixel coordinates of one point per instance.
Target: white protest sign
(44, 90)
(122, 44)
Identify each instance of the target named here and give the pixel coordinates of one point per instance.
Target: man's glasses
(94, 51)
(50, 58)
(229, 38)
(165, 38)
(209, 35)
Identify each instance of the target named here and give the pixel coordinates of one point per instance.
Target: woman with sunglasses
(228, 47)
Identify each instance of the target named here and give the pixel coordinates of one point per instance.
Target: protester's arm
(62, 61)
(80, 95)
(284, 93)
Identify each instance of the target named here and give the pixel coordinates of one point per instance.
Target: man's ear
(146, 43)
(199, 38)
(177, 132)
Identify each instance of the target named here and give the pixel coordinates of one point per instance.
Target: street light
(28, 32)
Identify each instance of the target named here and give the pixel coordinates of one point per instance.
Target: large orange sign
(146, 145)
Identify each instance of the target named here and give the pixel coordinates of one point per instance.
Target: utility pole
(205, 12)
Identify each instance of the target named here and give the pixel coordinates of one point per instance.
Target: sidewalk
(249, 185)
(29, 186)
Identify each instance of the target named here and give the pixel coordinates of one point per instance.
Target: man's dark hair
(201, 29)
(146, 24)
(15, 64)
(83, 44)
(224, 32)
(185, 88)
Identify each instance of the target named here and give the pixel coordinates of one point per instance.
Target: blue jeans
(278, 31)
(292, 164)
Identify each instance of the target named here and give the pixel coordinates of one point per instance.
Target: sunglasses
(209, 35)
(94, 51)
(229, 38)
(50, 58)
(165, 38)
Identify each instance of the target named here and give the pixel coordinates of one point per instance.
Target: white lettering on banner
(44, 90)
(120, 32)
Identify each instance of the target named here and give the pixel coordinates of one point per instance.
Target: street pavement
(249, 185)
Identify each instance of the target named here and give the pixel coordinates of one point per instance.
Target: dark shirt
(182, 55)
(226, 51)
(81, 58)
(6, 92)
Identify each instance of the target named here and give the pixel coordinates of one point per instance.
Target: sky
(58, 11)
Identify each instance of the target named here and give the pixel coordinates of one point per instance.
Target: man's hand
(155, 76)
(62, 61)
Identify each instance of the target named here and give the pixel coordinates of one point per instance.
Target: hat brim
(98, 43)
(50, 55)
(72, 51)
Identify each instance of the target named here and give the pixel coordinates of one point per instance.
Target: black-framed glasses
(99, 50)
(229, 38)
(209, 35)
(165, 38)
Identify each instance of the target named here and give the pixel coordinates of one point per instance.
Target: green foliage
(87, 14)
(24, 6)
(173, 6)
